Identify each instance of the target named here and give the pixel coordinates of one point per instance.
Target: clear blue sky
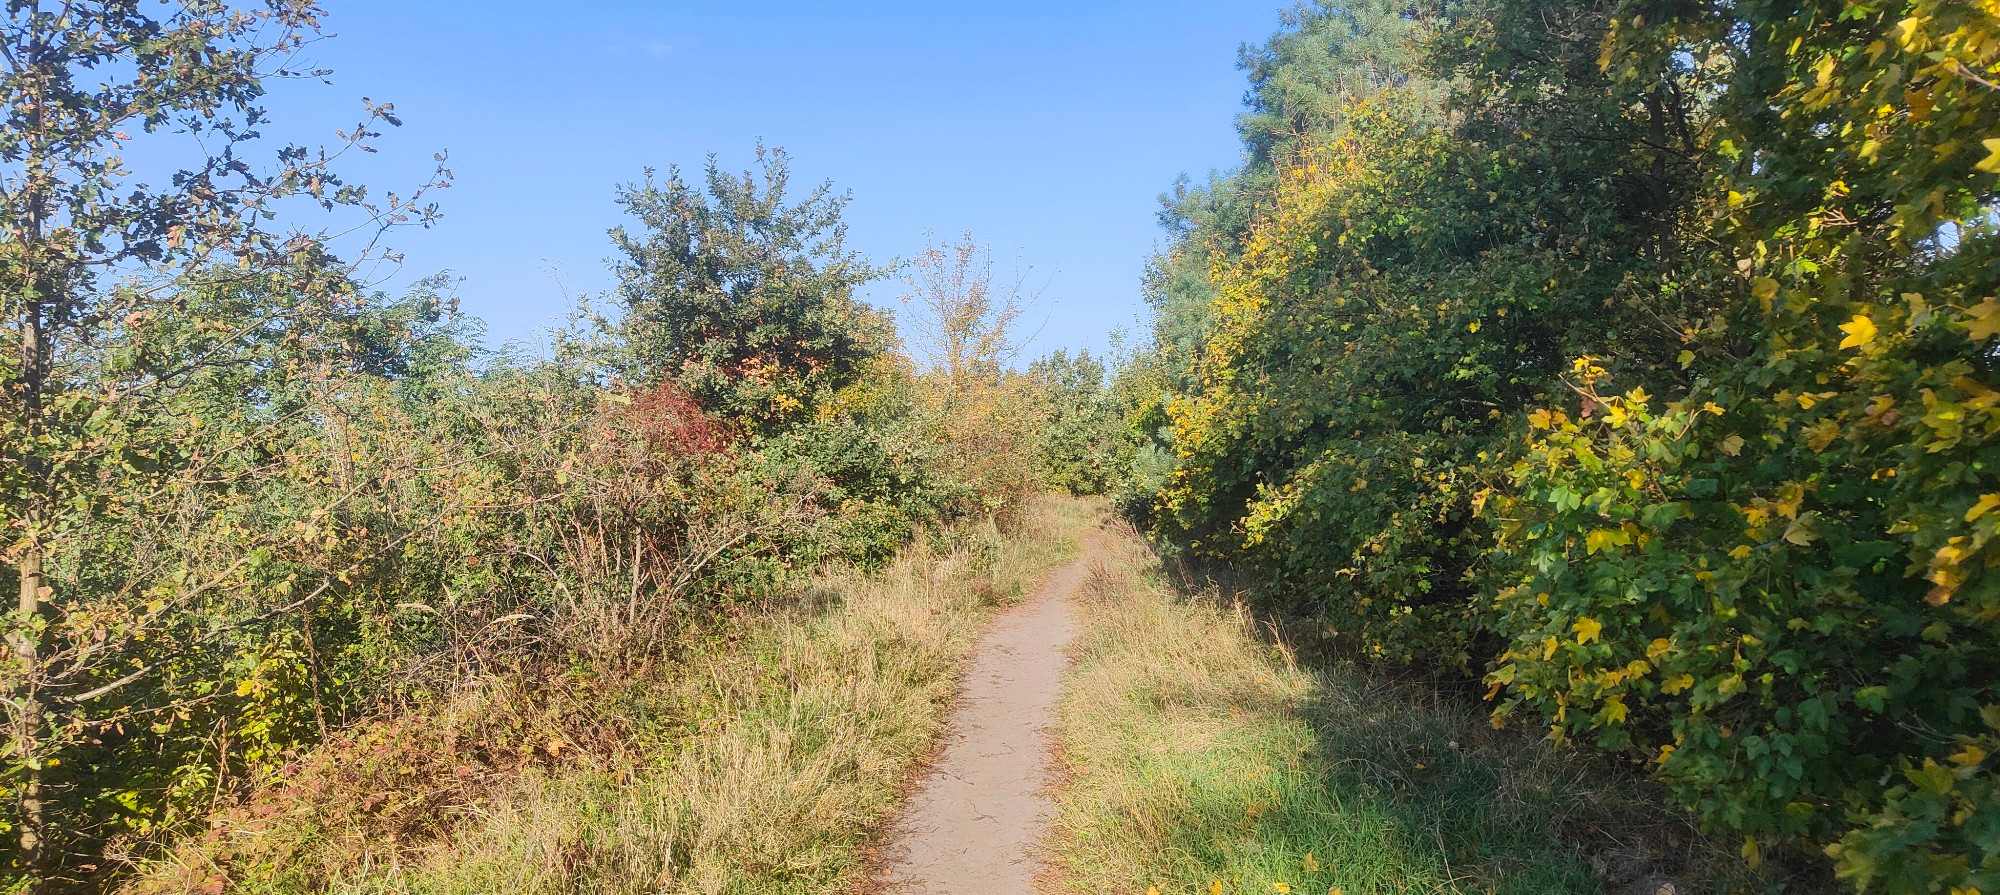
(1048, 129)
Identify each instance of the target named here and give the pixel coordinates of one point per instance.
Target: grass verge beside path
(764, 768)
(1202, 759)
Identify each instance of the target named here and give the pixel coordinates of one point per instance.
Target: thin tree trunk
(36, 321)
(29, 722)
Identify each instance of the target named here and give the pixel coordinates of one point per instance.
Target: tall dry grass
(762, 764)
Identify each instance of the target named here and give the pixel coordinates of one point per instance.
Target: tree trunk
(36, 320)
(29, 720)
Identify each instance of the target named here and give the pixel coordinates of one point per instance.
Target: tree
(1653, 373)
(1324, 55)
(89, 250)
(1084, 418)
(742, 299)
(965, 339)
(1813, 593)
(963, 325)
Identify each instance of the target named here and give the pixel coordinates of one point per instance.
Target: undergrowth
(761, 761)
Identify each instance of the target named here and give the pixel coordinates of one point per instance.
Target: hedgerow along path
(973, 823)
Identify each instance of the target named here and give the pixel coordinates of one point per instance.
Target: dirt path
(972, 825)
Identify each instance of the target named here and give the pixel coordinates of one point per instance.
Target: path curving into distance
(972, 825)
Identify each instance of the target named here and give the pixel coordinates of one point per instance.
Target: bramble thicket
(1637, 356)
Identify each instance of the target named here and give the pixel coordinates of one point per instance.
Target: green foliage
(92, 257)
(884, 472)
(745, 301)
(1083, 422)
(963, 338)
(353, 512)
(250, 502)
(1323, 55)
(1654, 379)
(1804, 628)
(1203, 756)
(1405, 288)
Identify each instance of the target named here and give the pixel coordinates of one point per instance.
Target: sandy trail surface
(972, 825)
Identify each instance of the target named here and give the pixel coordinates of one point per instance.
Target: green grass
(759, 767)
(1202, 758)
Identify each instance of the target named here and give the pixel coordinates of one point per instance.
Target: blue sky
(1047, 129)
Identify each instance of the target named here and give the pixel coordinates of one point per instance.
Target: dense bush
(1640, 355)
(1083, 422)
(321, 524)
(1384, 313)
(250, 502)
(742, 299)
(354, 511)
(1781, 565)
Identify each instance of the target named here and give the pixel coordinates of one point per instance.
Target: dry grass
(760, 765)
(1202, 756)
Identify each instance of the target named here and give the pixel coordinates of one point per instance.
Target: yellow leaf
(1801, 532)
(1742, 551)
(1677, 684)
(1599, 539)
(1971, 756)
(243, 688)
(1587, 629)
(1281, 888)
(1986, 502)
(1991, 164)
(1860, 331)
(1985, 322)
(1732, 445)
(1310, 864)
(1614, 710)
(1905, 30)
(1764, 289)
(1152, 890)
(1215, 887)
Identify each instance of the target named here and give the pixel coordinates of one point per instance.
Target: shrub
(1691, 302)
